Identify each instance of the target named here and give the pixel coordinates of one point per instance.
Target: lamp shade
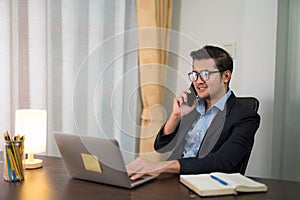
(33, 124)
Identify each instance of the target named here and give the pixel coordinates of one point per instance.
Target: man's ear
(226, 76)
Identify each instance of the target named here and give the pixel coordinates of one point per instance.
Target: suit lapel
(215, 129)
(185, 124)
(213, 133)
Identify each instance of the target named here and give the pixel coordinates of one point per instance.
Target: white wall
(251, 26)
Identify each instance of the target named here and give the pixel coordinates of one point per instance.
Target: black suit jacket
(226, 144)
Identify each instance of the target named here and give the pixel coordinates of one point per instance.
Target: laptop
(95, 159)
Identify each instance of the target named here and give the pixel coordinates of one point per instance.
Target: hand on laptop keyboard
(141, 167)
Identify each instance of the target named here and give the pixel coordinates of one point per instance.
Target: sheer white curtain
(78, 60)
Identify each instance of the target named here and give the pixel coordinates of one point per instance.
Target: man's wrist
(172, 166)
(171, 124)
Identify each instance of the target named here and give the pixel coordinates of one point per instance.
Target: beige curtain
(153, 22)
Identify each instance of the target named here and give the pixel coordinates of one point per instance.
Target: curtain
(153, 22)
(75, 58)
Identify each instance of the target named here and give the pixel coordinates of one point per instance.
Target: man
(214, 134)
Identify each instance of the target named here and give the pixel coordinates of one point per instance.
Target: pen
(219, 180)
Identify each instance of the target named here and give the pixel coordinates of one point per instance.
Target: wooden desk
(51, 182)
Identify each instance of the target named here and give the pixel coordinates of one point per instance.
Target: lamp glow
(33, 124)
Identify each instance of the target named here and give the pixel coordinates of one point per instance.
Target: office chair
(252, 103)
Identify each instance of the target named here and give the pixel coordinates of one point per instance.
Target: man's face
(216, 85)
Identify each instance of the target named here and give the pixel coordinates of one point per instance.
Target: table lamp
(33, 124)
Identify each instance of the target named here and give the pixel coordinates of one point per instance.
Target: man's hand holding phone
(182, 105)
(185, 103)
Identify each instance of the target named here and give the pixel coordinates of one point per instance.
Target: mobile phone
(191, 97)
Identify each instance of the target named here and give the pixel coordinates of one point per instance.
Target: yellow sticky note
(91, 162)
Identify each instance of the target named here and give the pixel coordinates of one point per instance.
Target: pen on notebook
(219, 180)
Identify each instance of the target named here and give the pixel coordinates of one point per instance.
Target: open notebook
(215, 184)
(95, 159)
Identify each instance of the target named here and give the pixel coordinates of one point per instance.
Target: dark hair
(222, 59)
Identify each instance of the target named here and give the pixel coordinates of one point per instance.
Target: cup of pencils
(13, 155)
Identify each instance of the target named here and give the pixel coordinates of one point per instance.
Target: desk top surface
(52, 182)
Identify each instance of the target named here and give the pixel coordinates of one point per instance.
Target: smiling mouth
(201, 88)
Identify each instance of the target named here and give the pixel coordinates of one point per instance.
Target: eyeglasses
(204, 75)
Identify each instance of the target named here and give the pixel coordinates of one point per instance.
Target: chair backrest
(253, 103)
(250, 102)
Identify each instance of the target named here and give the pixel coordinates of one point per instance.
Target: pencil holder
(13, 161)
